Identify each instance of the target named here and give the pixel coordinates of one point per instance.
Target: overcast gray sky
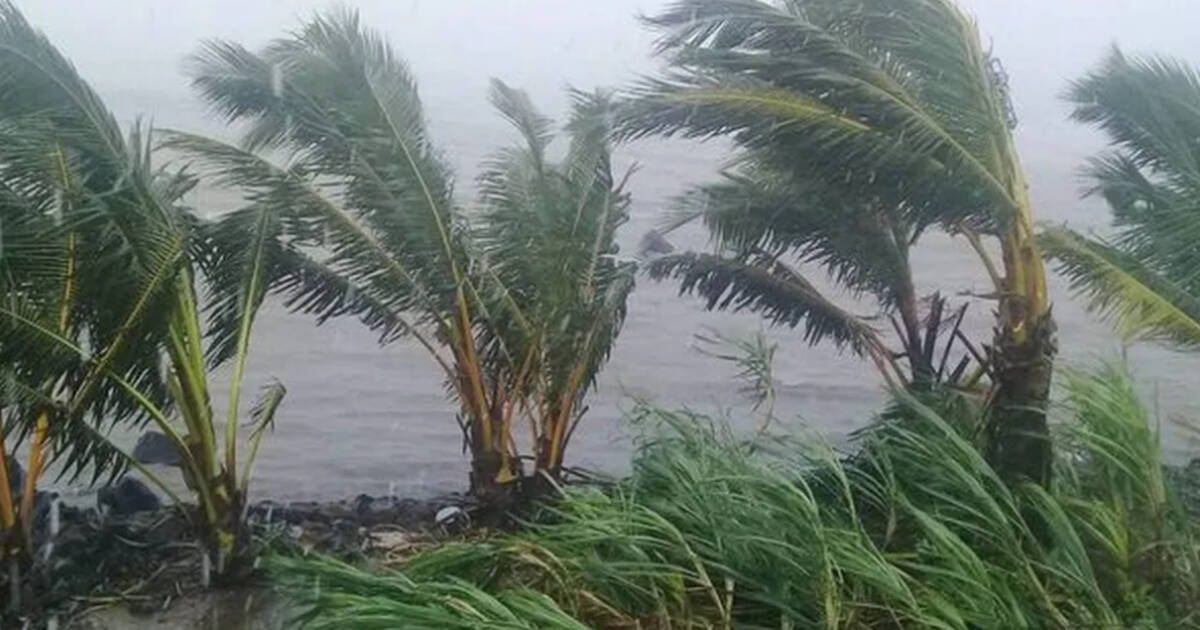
(132, 52)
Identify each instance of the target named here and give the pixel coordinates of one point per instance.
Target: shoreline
(146, 566)
(146, 561)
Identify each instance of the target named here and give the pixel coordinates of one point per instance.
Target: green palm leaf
(1143, 304)
(1147, 277)
(547, 234)
(522, 299)
(93, 236)
(894, 116)
(897, 106)
(767, 287)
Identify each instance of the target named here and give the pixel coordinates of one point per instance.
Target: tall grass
(914, 531)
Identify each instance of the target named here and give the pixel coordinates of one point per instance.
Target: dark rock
(303, 510)
(267, 512)
(654, 243)
(129, 496)
(1187, 485)
(156, 448)
(379, 512)
(42, 503)
(341, 511)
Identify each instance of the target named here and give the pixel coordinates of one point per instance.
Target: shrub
(915, 530)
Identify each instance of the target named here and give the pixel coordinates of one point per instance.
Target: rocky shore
(146, 557)
(130, 553)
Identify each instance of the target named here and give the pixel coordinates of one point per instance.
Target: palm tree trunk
(492, 471)
(8, 512)
(1018, 436)
(37, 460)
(922, 370)
(227, 535)
(486, 469)
(1018, 439)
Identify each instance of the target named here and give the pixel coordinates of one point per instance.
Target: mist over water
(363, 419)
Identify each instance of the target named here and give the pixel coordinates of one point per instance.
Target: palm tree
(1146, 278)
(547, 234)
(763, 218)
(99, 269)
(888, 114)
(368, 203)
(83, 228)
(364, 184)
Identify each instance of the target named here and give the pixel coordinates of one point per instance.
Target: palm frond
(1150, 110)
(1146, 106)
(862, 246)
(93, 237)
(858, 127)
(244, 254)
(338, 98)
(770, 289)
(347, 280)
(1143, 304)
(262, 417)
(547, 234)
(1146, 277)
(896, 106)
(516, 107)
(37, 79)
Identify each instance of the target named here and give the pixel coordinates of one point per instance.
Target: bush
(916, 530)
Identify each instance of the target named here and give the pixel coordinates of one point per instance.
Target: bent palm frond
(1143, 304)
(858, 126)
(769, 288)
(1147, 276)
(909, 108)
(93, 236)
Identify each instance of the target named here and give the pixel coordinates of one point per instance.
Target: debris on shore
(144, 557)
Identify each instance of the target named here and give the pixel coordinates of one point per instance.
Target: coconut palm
(860, 125)
(364, 183)
(83, 228)
(99, 276)
(370, 200)
(764, 219)
(547, 234)
(1146, 277)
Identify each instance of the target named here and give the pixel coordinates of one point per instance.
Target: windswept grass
(915, 531)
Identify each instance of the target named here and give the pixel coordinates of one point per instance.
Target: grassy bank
(916, 530)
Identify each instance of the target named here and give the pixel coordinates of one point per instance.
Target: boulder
(156, 448)
(654, 243)
(128, 496)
